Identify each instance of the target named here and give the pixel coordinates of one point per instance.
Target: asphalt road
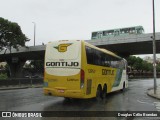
(32, 99)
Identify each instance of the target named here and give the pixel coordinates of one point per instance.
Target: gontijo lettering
(107, 72)
(55, 64)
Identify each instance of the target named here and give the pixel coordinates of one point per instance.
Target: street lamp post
(154, 50)
(34, 32)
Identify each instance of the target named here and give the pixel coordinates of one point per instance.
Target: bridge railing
(134, 75)
(20, 82)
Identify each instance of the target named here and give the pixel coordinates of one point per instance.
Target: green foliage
(37, 64)
(7, 67)
(11, 34)
(147, 66)
(3, 76)
(139, 64)
(158, 67)
(131, 60)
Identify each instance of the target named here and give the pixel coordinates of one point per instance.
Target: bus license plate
(61, 91)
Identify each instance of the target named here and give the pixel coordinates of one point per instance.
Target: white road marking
(157, 105)
(144, 102)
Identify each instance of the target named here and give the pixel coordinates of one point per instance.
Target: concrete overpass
(129, 45)
(122, 45)
(17, 58)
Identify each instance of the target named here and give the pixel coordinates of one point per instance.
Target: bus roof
(90, 45)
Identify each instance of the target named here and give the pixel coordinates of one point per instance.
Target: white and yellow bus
(76, 69)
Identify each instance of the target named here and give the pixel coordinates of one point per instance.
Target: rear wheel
(104, 92)
(99, 93)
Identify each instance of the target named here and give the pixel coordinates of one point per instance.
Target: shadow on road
(82, 104)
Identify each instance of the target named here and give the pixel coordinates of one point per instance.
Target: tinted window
(96, 57)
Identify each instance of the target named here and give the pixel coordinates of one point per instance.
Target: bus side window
(107, 63)
(89, 55)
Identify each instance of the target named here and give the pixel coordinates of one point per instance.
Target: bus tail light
(82, 79)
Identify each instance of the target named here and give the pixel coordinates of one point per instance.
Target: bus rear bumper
(64, 93)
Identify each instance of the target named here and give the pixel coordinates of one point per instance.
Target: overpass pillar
(15, 67)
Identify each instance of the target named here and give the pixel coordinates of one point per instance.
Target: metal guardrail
(142, 75)
(21, 81)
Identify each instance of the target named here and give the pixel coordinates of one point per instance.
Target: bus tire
(104, 92)
(99, 93)
(67, 99)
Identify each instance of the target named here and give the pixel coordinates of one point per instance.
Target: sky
(76, 19)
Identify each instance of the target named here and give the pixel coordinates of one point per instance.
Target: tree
(131, 61)
(147, 66)
(158, 67)
(139, 64)
(38, 65)
(11, 34)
